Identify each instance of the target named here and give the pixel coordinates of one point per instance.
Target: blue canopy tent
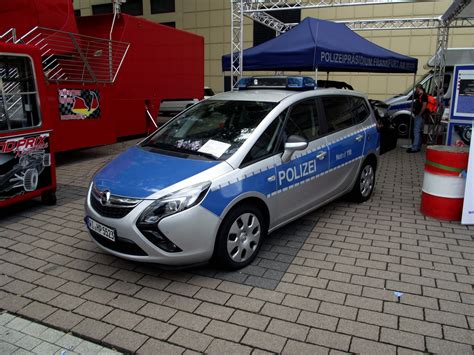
(324, 46)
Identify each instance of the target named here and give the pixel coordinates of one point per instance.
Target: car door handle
(321, 155)
(359, 137)
(271, 178)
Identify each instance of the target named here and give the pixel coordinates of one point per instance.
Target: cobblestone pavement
(22, 336)
(324, 284)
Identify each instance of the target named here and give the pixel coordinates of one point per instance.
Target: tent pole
(411, 109)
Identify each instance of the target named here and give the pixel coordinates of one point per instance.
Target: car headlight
(166, 206)
(174, 203)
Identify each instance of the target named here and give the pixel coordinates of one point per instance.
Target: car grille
(109, 211)
(123, 246)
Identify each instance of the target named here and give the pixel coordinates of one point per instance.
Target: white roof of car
(272, 95)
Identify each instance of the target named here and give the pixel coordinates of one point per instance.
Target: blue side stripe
(299, 171)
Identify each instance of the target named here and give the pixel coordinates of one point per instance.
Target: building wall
(211, 19)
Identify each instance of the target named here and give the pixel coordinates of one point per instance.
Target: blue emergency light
(277, 82)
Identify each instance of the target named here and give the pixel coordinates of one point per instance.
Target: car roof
(273, 95)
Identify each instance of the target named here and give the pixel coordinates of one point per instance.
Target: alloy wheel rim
(243, 237)
(366, 180)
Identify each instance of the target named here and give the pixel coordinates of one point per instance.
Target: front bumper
(193, 230)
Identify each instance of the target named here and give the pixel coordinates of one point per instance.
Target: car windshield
(212, 129)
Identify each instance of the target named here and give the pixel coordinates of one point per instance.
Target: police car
(216, 179)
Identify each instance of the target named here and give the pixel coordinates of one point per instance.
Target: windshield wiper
(170, 147)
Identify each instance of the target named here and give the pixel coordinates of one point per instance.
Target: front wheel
(364, 185)
(240, 237)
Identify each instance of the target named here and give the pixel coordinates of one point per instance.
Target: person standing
(419, 111)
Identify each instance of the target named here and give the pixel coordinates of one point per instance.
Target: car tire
(48, 198)
(240, 237)
(30, 180)
(365, 183)
(402, 123)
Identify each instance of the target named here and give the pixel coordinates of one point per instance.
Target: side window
(18, 96)
(427, 84)
(303, 120)
(338, 110)
(447, 79)
(360, 109)
(265, 144)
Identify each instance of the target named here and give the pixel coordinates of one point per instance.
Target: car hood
(138, 173)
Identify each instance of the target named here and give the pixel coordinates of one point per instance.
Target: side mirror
(292, 144)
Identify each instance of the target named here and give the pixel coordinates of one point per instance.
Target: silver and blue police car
(220, 176)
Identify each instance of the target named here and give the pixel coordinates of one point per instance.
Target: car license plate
(99, 228)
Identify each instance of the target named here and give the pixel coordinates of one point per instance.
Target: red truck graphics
(25, 164)
(75, 104)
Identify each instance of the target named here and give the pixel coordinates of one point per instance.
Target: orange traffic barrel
(444, 182)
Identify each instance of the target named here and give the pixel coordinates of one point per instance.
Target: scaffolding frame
(260, 11)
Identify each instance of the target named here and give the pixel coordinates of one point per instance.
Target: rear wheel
(403, 126)
(364, 186)
(240, 237)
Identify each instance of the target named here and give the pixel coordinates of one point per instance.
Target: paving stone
(234, 288)
(448, 318)
(266, 341)
(439, 346)
(100, 296)
(250, 320)
(191, 339)
(214, 311)
(219, 346)
(153, 347)
(397, 337)
(157, 311)
(296, 347)
(63, 319)
(318, 320)
(153, 295)
(7, 348)
(358, 329)
(28, 342)
(245, 303)
(93, 310)
(155, 329)
(267, 295)
(282, 312)
(87, 347)
(212, 296)
(46, 348)
(17, 323)
(337, 310)
(93, 329)
(125, 339)
(364, 346)
(459, 335)
(190, 321)
(51, 335)
(329, 339)
(225, 330)
(122, 318)
(288, 329)
(182, 303)
(403, 310)
(36, 310)
(378, 318)
(69, 342)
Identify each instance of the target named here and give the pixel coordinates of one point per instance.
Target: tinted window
(131, 7)
(169, 24)
(262, 33)
(265, 144)
(360, 109)
(303, 120)
(338, 110)
(102, 9)
(162, 6)
(18, 95)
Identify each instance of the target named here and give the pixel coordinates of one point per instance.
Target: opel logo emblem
(105, 197)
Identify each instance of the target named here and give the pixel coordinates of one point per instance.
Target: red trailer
(98, 78)
(27, 167)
